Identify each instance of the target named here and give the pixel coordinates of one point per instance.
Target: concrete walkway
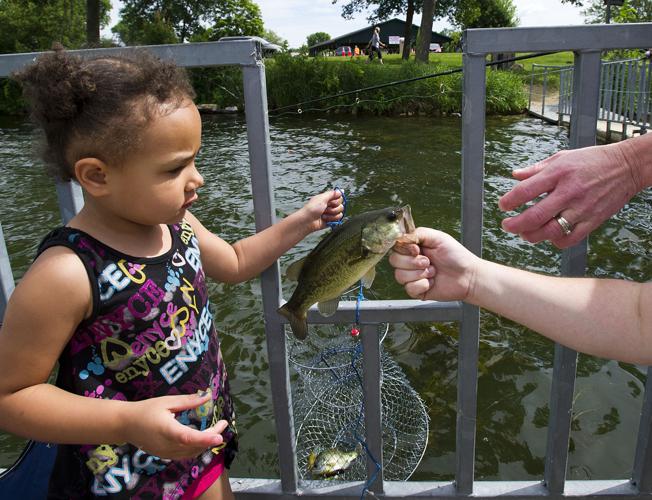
(608, 131)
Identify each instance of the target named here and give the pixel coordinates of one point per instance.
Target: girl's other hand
(323, 208)
(438, 268)
(151, 425)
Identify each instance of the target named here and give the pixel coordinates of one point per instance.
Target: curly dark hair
(97, 107)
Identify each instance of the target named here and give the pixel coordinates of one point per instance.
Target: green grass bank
(294, 80)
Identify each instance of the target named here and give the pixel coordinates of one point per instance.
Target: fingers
(187, 401)
(528, 189)
(418, 289)
(554, 232)
(537, 216)
(193, 438)
(414, 272)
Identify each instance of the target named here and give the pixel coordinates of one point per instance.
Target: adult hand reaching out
(582, 187)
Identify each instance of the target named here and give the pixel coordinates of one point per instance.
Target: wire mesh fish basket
(329, 409)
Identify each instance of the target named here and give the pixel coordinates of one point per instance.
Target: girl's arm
(51, 299)
(603, 317)
(247, 258)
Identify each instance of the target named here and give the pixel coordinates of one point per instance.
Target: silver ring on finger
(566, 226)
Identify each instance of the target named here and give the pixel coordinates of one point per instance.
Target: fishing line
(407, 80)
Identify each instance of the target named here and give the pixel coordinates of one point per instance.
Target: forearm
(602, 317)
(47, 413)
(638, 155)
(259, 251)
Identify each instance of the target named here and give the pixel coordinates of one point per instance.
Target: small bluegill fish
(331, 462)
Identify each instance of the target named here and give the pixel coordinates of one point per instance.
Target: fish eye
(391, 216)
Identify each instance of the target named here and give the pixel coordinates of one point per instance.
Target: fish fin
(293, 271)
(368, 278)
(329, 306)
(298, 323)
(311, 460)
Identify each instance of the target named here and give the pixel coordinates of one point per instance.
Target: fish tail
(298, 322)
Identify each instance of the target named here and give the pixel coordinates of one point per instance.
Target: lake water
(382, 161)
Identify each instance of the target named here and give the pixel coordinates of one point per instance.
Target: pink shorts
(206, 479)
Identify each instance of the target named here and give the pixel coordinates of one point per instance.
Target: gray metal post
(6, 276)
(642, 476)
(261, 181)
(473, 119)
(71, 199)
(586, 91)
(372, 406)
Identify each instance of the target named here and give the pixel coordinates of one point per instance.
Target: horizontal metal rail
(257, 489)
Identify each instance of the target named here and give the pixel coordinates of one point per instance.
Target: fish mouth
(406, 222)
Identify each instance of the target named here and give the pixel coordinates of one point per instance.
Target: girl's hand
(323, 208)
(151, 425)
(437, 268)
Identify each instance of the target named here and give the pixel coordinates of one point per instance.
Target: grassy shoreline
(295, 80)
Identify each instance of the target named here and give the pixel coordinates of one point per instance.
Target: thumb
(218, 428)
(187, 401)
(430, 238)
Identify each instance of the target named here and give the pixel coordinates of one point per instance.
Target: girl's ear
(91, 174)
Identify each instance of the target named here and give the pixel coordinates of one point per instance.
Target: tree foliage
(316, 38)
(484, 14)
(233, 18)
(276, 39)
(632, 11)
(381, 10)
(33, 25)
(170, 21)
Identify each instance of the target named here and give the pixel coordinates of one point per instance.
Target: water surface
(383, 161)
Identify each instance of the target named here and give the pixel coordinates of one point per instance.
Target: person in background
(118, 296)
(375, 44)
(609, 318)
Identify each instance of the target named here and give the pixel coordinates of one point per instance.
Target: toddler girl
(141, 406)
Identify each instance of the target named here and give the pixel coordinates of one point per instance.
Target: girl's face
(158, 182)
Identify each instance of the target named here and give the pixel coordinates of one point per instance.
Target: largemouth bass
(345, 256)
(331, 462)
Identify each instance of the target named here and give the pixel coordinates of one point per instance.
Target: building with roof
(390, 33)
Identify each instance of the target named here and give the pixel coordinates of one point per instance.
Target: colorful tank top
(151, 334)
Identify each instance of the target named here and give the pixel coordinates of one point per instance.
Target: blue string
(336, 223)
(357, 304)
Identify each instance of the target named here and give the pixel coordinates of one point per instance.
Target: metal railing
(587, 42)
(625, 94)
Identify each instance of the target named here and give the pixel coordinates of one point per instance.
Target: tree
(316, 38)
(425, 31)
(272, 37)
(484, 14)
(33, 25)
(92, 23)
(235, 18)
(632, 11)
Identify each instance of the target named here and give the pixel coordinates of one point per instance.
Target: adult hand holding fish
(609, 318)
(345, 256)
